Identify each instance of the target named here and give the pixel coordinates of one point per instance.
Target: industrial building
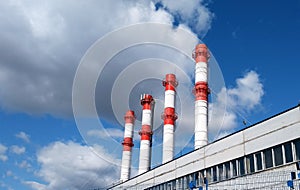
(265, 155)
(262, 156)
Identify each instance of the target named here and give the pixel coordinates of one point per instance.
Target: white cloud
(9, 173)
(17, 149)
(41, 46)
(73, 166)
(248, 92)
(111, 132)
(49, 39)
(3, 156)
(22, 135)
(139, 13)
(193, 13)
(233, 103)
(35, 185)
(24, 164)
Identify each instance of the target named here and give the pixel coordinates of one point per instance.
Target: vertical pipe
(127, 145)
(147, 102)
(201, 56)
(169, 116)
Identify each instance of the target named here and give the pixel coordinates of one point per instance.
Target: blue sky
(255, 43)
(261, 36)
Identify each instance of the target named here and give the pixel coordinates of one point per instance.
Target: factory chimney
(147, 102)
(201, 90)
(169, 116)
(127, 145)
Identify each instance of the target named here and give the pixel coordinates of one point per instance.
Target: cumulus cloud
(192, 13)
(248, 92)
(17, 149)
(42, 44)
(234, 102)
(3, 156)
(22, 135)
(73, 166)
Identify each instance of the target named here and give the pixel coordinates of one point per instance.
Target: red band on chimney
(127, 144)
(169, 87)
(201, 53)
(146, 101)
(146, 132)
(129, 117)
(169, 116)
(201, 91)
(146, 107)
(170, 82)
(145, 137)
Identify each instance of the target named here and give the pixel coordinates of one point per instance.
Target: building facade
(262, 156)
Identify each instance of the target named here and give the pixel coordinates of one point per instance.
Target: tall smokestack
(147, 102)
(127, 145)
(201, 91)
(169, 116)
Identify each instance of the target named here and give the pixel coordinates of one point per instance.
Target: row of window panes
(268, 158)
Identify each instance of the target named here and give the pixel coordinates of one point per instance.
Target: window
(258, 161)
(179, 183)
(234, 169)
(185, 183)
(297, 149)
(169, 186)
(268, 158)
(174, 184)
(199, 178)
(215, 173)
(190, 178)
(278, 155)
(202, 177)
(250, 163)
(288, 152)
(241, 166)
(208, 175)
(227, 170)
(221, 175)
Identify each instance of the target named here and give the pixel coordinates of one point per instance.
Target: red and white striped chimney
(201, 56)
(127, 145)
(147, 102)
(169, 116)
